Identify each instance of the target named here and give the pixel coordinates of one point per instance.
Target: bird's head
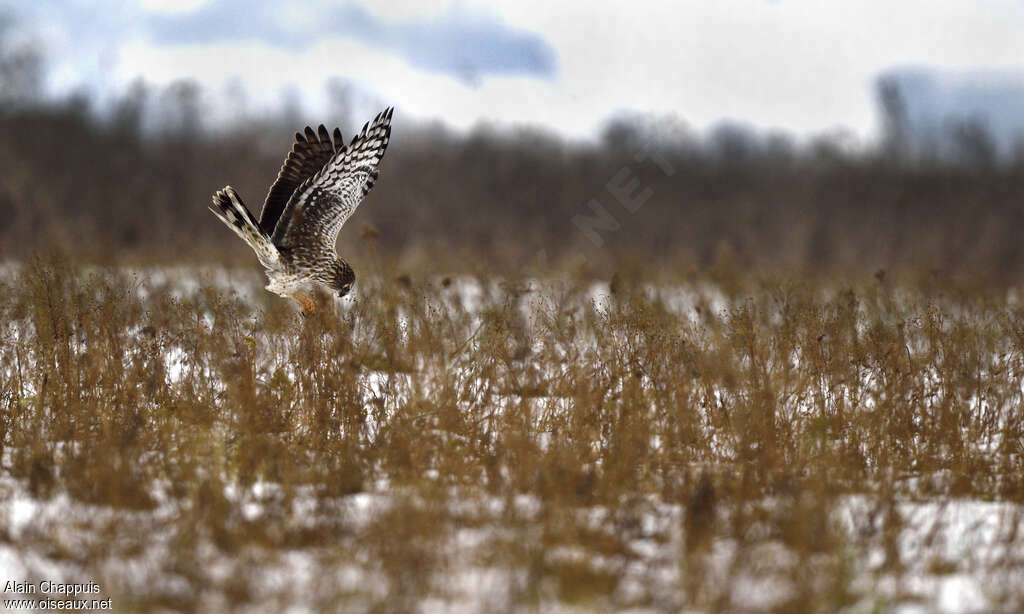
(341, 278)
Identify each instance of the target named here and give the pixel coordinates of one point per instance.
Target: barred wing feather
(309, 154)
(323, 202)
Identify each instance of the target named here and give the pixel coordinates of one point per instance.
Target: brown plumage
(320, 184)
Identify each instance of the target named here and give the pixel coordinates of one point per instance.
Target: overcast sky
(800, 65)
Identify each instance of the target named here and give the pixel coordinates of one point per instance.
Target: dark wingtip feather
(310, 135)
(324, 135)
(339, 142)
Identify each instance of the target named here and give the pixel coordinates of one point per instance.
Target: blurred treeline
(114, 183)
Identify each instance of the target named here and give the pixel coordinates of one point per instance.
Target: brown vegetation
(804, 366)
(669, 446)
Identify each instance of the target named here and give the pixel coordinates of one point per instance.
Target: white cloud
(172, 6)
(264, 71)
(410, 9)
(801, 65)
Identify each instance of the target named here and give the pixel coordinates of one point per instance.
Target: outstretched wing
(308, 155)
(321, 205)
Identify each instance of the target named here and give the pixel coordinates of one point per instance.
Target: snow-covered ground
(956, 556)
(943, 554)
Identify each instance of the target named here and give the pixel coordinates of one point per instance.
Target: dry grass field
(717, 441)
(665, 368)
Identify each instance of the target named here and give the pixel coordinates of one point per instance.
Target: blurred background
(779, 135)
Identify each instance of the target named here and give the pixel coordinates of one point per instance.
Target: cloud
(797, 65)
(384, 79)
(467, 44)
(172, 6)
(939, 102)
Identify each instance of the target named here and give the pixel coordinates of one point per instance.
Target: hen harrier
(319, 187)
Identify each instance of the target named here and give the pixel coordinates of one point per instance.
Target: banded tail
(229, 208)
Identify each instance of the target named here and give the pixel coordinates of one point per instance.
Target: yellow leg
(308, 306)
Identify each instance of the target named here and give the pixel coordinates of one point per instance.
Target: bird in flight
(321, 183)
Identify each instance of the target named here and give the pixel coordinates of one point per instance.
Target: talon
(308, 306)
